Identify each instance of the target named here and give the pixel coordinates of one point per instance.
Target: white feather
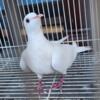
(63, 57)
(81, 49)
(23, 64)
(60, 41)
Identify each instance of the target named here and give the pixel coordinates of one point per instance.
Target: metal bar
(85, 11)
(24, 15)
(63, 7)
(50, 19)
(4, 39)
(20, 14)
(76, 29)
(27, 6)
(80, 17)
(17, 43)
(3, 53)
(45, 18)
(18, 23)
(5, 30)
(55, 18)
(9, 27)
(59, 17)
(70, 19)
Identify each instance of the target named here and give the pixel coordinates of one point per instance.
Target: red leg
(40, 87)
(58, 84)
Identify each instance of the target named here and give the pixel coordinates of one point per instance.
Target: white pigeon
(44, 57)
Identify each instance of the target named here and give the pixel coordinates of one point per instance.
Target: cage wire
(79, 19)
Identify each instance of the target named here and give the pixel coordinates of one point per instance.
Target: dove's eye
(27, 20)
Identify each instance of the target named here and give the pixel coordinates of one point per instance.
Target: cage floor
(80, 81)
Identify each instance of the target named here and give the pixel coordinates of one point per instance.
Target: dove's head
(32, 22)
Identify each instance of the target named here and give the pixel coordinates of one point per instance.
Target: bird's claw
(56, 85)
(59, 84)
(39, 88)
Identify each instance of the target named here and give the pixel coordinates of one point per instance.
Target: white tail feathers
(61, 40)
(81, 49)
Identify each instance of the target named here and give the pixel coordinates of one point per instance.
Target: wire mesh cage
(79, 19)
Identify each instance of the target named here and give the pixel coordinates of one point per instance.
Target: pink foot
(58, 84)
(40, 88)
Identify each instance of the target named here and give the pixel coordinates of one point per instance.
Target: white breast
(40, 58)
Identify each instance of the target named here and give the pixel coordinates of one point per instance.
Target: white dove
(44, 57)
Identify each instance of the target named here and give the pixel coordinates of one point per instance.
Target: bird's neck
(36, 36)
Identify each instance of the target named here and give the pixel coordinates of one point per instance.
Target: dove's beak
(38, 16)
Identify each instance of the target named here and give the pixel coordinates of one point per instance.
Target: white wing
(82, 48)
(23, 64)
(63, 57)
